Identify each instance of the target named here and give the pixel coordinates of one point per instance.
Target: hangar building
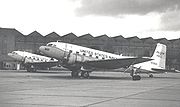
(12, 39)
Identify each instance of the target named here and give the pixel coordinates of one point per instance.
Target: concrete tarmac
(103, 89)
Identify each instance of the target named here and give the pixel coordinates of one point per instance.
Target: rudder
(159, 56)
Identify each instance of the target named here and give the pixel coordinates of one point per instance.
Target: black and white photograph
(89, 53)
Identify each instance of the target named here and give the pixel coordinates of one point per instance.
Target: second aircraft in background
(33, 61)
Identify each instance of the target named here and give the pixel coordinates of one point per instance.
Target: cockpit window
(53, 45)
(14, 53)
(49, 44)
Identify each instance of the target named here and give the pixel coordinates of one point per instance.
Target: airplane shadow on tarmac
(91, 78)
(105, 77)
(42, 71)
(66, 75)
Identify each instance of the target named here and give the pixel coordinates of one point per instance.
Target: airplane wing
(115, 63)
(43, 64)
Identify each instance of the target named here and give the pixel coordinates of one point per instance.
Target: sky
(141, 18)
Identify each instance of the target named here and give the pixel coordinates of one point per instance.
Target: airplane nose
(9, 54)
(43, 48)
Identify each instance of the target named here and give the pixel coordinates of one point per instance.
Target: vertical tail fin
(159, 56)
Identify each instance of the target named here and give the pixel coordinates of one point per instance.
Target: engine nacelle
(73, 58)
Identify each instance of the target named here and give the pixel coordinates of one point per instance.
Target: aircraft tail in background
(158, 60)
(159, 56)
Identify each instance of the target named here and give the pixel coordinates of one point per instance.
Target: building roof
(52, 35)
(162, 40)
(148, 38)
(119, 38)
(102, 37)
(175, 41)
(86, 36)
(11, 30)
(69, 36)
(35, 34)
(172, 40)
(134, 38)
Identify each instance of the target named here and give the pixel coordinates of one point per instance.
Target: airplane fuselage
(75, 53)
(28, 57)
(32, 61)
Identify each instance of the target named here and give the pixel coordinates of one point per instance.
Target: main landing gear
(83, 74)
(31, 69)
(150, 75)
(136, 77)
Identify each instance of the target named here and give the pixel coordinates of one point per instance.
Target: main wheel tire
(136, 77)
(151, 76)
(31, 70)
(85, 74)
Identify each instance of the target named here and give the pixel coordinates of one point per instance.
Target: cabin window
(110, 57)
(14, 53)
(49, 44)
(97, 57)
